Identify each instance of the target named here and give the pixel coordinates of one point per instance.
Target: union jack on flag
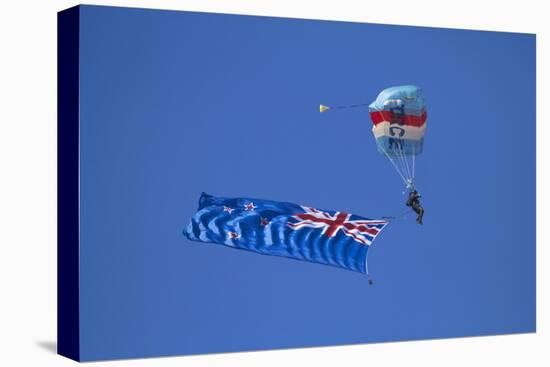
(285, 229)
(361, 230)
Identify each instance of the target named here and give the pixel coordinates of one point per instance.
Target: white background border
(28, 183)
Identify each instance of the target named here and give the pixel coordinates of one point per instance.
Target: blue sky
(174, 103)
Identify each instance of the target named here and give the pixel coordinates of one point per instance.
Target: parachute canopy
(399, 117)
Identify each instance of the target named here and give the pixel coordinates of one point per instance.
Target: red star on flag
(264, 222)
(233, 235)
(228, 209)
(250, 206)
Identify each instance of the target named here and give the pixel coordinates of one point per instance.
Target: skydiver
(413, 201)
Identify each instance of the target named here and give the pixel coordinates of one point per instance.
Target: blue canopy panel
(395, 147)
(409, 99)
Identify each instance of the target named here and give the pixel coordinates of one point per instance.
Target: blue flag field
(285, 229)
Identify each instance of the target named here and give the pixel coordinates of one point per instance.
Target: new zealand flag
(285, 229)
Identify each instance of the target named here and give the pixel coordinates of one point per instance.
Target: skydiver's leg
(419, 212)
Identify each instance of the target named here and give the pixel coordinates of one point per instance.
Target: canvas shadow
(48, 345)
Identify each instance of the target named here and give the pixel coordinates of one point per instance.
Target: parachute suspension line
(406, 160)
(413, 159)
(395, 166)
(400, 163)
(407, 168)
(401, 170)
(404, 164)
(400, 157)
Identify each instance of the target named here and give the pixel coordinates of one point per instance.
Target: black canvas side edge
(68, 330)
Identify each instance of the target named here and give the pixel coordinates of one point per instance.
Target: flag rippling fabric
(285, 229)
